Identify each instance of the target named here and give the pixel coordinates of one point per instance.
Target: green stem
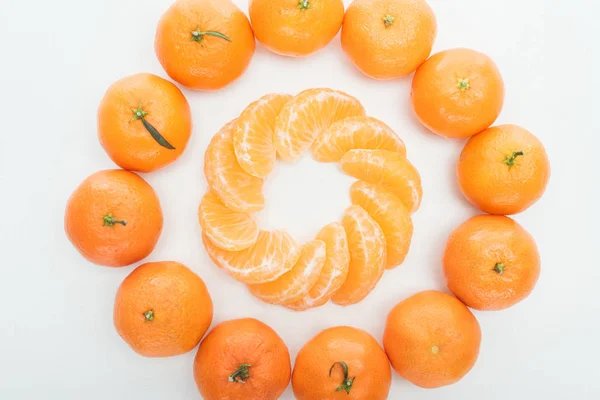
(241, 374)
(388, 20)
(510, 160)
(499, 268)
(149, 315)
(304, 5)
(198, 35)
(347, 383)
(463, 84)
(109, 220)
(140, 114)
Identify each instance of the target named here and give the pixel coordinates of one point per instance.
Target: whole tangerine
(457, 93)
(491, 262)
(144, 122)
(204, 44)
(242, 359)
(342, 363)
(296, 27)
(388, 39)
(503, 170)
(114, 218)
(432, 339)
(162, 309)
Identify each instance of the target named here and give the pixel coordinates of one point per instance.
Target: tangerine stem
(347, 383)
(198, 35)
(304, 5)
(241, 374)
(510, 160)
(499, 268)
(109, 220)
(463, 84)
(149, 315)
(388, 20)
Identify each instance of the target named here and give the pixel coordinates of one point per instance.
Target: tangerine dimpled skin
(388, 39)
(204, 44)
(457, 93)
(296, 27)
(242, 359)
(144, 122)
(342, 363)
(114, 218)
(432, 339)
(503, 170)
(491, 262)
(162, 309)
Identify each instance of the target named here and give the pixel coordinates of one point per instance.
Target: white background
(58, 57)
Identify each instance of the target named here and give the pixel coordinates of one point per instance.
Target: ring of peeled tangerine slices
(227, 229)
(391, 215)
(367, 246)
(307, 115)
(236, 188)
(334, 272)
(346, 260)
(355, 133)
(253, 138)
(273, 254)
(294, 284)
(388, 169)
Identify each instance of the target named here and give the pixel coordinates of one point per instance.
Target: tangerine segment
(388, 169)
(237, 189)
(273, 254)
(391, 215)
(307, 115)
(253, 137)
(366, 243)
(355, 133)
(335, 269)
(296, 283)
(229, 230)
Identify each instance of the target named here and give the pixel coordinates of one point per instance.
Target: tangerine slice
(229, 230)
(237, 189)
(253, 138)
(305, 117)
(367, 246)
(273, 254)
(296, 283)
(335, 269)
(388, 169)
(355, 133)
(391, 215)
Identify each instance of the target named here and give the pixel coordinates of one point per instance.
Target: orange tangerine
(335, 269)
(391, 215)
(229, 230)
(388, 169)
(355, 133)
(307, 115)
(296, 283)
(273, 254)
(237, 189)
(254, 134)
(366, 243)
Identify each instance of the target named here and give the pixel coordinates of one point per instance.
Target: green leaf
(156, 135)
